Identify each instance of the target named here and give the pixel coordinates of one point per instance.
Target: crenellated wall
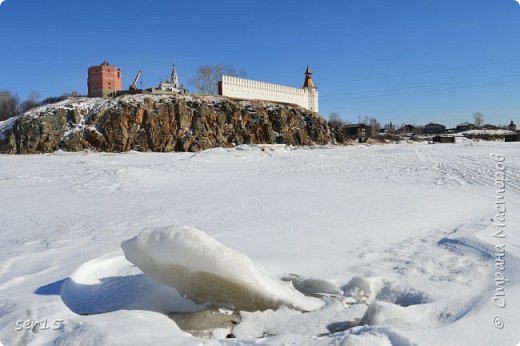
(255, 90)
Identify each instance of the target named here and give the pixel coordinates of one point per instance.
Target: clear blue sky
(406, 61)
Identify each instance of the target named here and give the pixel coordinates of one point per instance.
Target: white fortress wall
(313, 99)
(255, 90)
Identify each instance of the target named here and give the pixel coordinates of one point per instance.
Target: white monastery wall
(255, 90)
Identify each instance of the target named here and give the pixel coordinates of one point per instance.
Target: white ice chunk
(363, 289)
(313, 286)
(207, 271)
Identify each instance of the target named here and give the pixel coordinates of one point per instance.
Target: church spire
(174, 78)
(309, 83)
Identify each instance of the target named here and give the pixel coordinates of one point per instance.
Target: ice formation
(363, 289)
(207, 271)
(313, 286)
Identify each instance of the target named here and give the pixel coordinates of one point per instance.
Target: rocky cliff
(159, 123)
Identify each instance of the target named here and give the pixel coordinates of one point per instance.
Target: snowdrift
(208, 272)
(107, 284)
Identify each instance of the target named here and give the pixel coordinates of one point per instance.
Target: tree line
(11, 105)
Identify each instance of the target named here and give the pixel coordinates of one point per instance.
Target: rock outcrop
(160, 123)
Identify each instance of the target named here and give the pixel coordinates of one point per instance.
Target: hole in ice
(215, 323)
(401, 295)
(336, 327)
(462, 246)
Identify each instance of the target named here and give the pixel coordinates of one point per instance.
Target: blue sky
(405, 61)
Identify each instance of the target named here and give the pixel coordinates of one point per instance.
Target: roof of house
(434, 125)
(355, 125)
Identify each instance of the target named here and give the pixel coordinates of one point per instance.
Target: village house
(356, 131)
(489, 127)
(443, 139)
(464, 127)
(434, 129)
(407, 129)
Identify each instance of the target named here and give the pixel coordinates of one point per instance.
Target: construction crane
(133, 87)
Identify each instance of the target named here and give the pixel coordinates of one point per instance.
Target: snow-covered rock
(163, 123)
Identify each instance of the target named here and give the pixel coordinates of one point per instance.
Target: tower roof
(309, 83)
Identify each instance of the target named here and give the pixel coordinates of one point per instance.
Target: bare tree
(207, 77)
(335, 120)
(31, 102)
(373, 126)
(479, 119)
(9, 104)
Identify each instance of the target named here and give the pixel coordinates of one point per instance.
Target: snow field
(415, 219)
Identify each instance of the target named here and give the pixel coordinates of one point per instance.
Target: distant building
(103, 80)
(247, 89)
(173, 84)
(407, 129)
(434, 129)
(512, 126)
(357, 131)
(489, 127)
(443, 139)
(464, 127)
(452, 130)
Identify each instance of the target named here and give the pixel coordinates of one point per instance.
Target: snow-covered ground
(411, 223)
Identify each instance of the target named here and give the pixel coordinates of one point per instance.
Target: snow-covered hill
(405, 228)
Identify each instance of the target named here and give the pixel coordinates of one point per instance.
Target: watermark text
(42, 324)
(499, 234)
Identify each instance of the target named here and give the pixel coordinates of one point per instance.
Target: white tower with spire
(311, 91)
(174, 78)
(173, 84)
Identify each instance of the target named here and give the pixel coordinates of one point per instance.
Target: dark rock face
(161, 123)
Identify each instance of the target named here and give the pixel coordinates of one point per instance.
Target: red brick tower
(103, 80)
